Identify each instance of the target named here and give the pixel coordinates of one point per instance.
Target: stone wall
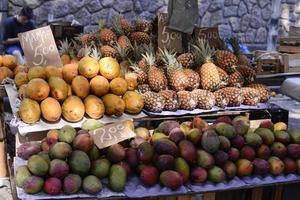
(247, 19)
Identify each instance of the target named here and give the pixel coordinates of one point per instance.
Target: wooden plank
(184, 197)
(289, 49)
(278, 192)
(257, 194)
(209, 196)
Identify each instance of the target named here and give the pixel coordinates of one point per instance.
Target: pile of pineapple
(201, 78)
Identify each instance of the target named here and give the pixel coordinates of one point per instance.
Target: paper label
(111, 134)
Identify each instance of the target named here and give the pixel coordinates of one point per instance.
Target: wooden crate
(267, 62)
(291, 63)
(289, 44)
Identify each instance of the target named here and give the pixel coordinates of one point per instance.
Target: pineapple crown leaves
(150, 58)
(235, 43)
(203, 51)
(122, 52)
(168, 57)
(64, 47)
(95, 53)
(116, 24)
(102, 24)
(222, 44)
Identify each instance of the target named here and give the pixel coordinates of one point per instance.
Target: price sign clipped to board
(39, 47)
(168, 38)
(211, 34)
(111, 134)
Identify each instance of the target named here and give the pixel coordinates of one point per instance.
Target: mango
(229, 169)
(28, 149)
(94, 153)
(117, 178)
(72, 184)
(60, 150)
(126, 166)
(221, 157)
(224, 119)
(194, 135)
(253, 139)
(171, 179)
(165, 146)
(205, 159)
(216, 175)
(176, 135)
(241, 126)
(21, 174)
(261, 166)
(182, 167)
(131, 157)
(244, 167)
(52, 186)
(279, 150)
(294, 150)
(199, 123)
(165, 162)
(248, 153)
(280, 126)
(33, 184)
(58, 168)
(226, 130)
(149, 176)
(238, 141)
(198, 175)
(276, 165)
(83, 142)
(298, 165)
(37, 165)
(233, 154)
(186, 127)
(115, 153)
(295, 135)
(210, 141)
(224, 143)
(52, 136)
(45, 155)
(156, 136)
(79, 163)
(100, 168)
(91, 124)
(282, 136)
(290, 166)
(167, 126)
(143, 133)
(267, 124)
(266, 135)
(67, 134)
(188, 151)
(263, 152)
(91, 184)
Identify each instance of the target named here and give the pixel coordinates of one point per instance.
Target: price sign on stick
(211, 34)
(111, 134)
(39, 47)
(168, 38)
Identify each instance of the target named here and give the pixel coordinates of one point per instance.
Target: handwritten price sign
(111, 134)
(211, 34)
(168, 38)
(39, 47)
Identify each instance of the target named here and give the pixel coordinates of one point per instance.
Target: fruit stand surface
(135, 189)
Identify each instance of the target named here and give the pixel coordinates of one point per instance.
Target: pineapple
(123, 59)
(248, 73)
(242, 59)
(186, 59)
(171, 100)
(251, 96)
(143, 88)
(125, 43)
(234, 95)
(236, 80)
(186, 100)
(210, 79)
(87, 38)
(205, 99)
(153, 102)
(106, 35)
(142, 76)
(64, 51)
(193, 79)
(156, 77)
(263, 91)
(108, 51)
(140, 38)
(221, 100)
(226, 60)
(177, 79)
(143, 26)
(121, 25)
(224, 77)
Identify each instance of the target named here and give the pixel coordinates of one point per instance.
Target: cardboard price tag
(168, 38)
(111, 134)
(39, 47)
(211, 34)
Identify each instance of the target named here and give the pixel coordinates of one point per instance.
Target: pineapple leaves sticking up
(94, 53)
(204, 53)
(235, 43)
(116, 25)
(64, 47)
(101, 24)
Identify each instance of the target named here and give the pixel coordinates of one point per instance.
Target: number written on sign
(167, 37)
(41, 52)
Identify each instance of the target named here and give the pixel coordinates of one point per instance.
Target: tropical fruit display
(68, 161)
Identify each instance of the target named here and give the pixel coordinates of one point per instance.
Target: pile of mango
(67, 161)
